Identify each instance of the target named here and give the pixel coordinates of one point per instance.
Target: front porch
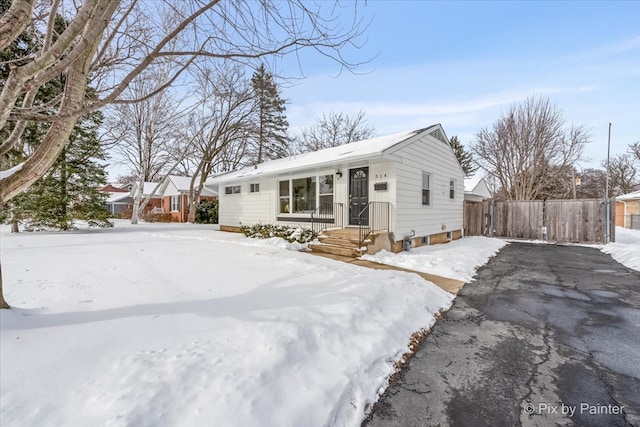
(368, 229)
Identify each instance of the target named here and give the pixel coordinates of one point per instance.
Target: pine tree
(464, 157)
(272, 141)
(69, 191)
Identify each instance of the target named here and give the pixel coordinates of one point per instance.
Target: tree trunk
(3, 302)
(192, 211)
(14, 226)
(136, 203)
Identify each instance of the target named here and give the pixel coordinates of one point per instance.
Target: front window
(304, 195)
(284, 196)
(325, 190)
(175, 203)
(254, 188)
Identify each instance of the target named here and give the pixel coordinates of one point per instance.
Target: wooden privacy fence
(551, 220)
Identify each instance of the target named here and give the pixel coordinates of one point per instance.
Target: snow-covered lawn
(183, 325)
(458, 259)
(626, 249)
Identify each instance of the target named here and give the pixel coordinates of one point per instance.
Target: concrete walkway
(450, 285)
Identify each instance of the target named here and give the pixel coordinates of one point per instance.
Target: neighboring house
(118, 202)
(118, 199)
(628, 210)
(409, 184)
(175, 191)
(111, 188)
(155, 204)
(476, 190)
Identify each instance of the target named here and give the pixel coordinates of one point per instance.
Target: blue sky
(463, 63)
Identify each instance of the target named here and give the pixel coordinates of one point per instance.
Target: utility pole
(607, 232)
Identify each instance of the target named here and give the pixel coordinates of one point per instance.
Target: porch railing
(373, 218)
(327, 215)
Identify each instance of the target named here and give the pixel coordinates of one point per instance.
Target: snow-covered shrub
(290, 234)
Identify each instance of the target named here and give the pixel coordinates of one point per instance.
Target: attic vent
(437, 134)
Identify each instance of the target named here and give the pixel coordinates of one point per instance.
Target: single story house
(408, 185)
(155, 204)
(118, 198)
(118, 202)
(628, 210)
(174, 192)
(476, 190)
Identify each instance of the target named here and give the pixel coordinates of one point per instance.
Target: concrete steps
(335, 250)
(342, 242)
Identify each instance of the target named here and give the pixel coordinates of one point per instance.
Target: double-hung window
(325, 193)
(284, 196)
(175, 203)
(452, 189)
(426, 188)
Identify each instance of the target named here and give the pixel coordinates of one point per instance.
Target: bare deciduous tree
(623, 174)
(592, 184)
(222, 125)
(527, 147)
(111, 42)
(145, 135)
(332, 130)
(634, 150)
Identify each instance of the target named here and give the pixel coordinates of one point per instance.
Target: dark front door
(358, 195)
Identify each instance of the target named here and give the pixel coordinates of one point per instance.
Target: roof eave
(294, 169)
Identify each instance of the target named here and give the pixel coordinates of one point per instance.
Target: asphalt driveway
(546, 335)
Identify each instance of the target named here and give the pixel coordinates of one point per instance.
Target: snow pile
(181, 324)
(458, 259)
(626, 249)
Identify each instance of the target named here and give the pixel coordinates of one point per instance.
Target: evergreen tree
(272, 141)
(69, 190)
(464, 157)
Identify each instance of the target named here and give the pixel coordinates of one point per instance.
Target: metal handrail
(327, 215)
(378, 218)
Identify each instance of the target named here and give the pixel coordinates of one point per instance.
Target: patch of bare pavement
(546, 335)
(452, 286)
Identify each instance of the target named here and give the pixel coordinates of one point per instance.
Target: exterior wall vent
(437, 134)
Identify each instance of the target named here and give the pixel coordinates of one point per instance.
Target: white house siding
(381, 172)
(248, 208)
(430, 155)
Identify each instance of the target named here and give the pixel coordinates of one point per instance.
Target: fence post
(607, 221)
(491, 213)
(544, 220)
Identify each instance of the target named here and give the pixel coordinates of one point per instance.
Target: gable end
(437, 134)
